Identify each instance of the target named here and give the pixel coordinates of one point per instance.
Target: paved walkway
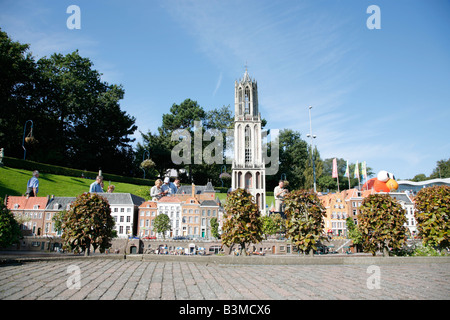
(102, 279)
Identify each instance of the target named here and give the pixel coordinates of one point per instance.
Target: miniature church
(248, 168)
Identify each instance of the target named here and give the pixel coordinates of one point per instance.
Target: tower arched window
(240, 100)
(248, 150)
(247, 100)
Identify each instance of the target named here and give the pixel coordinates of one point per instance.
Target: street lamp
(143, 158)
(310, 135)
(23, 139)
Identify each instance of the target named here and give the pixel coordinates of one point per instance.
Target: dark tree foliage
(9, 228)
(76, 116)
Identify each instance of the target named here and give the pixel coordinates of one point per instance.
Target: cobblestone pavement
(122, 279)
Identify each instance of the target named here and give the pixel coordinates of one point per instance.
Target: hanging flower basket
(225, 175)
(147, 164)
(31, 140)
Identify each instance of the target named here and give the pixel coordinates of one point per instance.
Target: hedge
(48, 168)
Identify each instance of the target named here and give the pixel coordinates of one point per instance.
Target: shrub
(432, 210)
(381, 224)
(88, 222)
(304, 219)
(241, 223)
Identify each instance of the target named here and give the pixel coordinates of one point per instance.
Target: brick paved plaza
(117, 279)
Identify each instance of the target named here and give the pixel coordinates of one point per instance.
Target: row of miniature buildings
(189, 213)
(340, 206)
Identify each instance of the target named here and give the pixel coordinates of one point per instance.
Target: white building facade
(407, 204)
(124, 210)
(171, 206)
(248, 168)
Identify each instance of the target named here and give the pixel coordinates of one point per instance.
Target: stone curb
(243, 260)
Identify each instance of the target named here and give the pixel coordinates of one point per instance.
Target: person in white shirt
(155, 192)
(279, 193)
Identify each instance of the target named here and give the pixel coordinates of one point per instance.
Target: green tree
(214, 227)
(272, 224)
(442, 169)
(58, 220)
(162, 224)
(304, 219)
(309, 168)
(432, 216)
(353, 231)
(79, 117)
(292, 160)
(183, 117)
(419, 177)
(88, 223)
(381, 224)
(241, 224)
(17, 93)
(9, 228)
(326, 181)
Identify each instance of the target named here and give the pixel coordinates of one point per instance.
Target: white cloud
(219, 82)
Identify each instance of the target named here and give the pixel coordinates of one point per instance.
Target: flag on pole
(364, 170)
(347, 174)
(347, 171)
(335, 172)
(356, 170)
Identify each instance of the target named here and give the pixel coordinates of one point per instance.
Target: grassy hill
(13, 182)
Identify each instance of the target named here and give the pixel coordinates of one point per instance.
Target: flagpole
(335, 172)
(347, 173)
(338, 183)
(357, 174)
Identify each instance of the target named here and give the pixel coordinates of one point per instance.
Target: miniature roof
(148, 204)
(61, 201)
(122, 198)
(26, 203)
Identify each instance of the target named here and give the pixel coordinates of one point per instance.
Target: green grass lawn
(13, 182)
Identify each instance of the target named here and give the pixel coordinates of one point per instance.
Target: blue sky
(380, 96)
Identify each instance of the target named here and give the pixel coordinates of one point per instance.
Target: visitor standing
(33, 185)
(155, 191)
(96, 186)
(279, 192)
(168, 188)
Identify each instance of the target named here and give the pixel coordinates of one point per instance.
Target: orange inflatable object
(369, 184)
(392, 184)
(381, 186)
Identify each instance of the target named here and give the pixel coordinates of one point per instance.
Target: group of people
(97, 186)
(166, 188)
(159, 190)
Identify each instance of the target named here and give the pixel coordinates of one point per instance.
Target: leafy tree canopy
(88, 223)
(242, 224)
(381, 224)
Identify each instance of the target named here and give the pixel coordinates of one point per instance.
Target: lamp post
(143, 158)
(310, 135)
(23, 139)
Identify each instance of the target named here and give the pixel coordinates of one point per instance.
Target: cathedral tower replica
(248, 169)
